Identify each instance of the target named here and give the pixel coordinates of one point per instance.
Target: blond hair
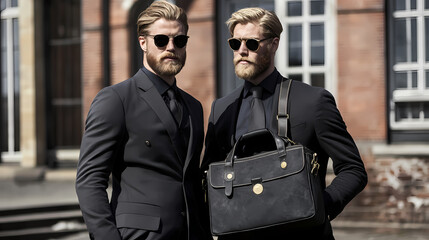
(270, 23)
(158, 10)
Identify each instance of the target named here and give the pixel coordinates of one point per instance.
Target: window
(9, 87)
(307, 45)
(63, 71)
(408, 74)
(306, 51)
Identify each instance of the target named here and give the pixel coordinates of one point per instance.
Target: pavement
(21, 188)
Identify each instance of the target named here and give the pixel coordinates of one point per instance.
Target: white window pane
(415, 110)
(400, 41)
(294, 8)
(411, 111)
(414, 79)
(413, 4)
(399, 5)
(401, 80)
(317, 44)
(406, 80)
(405, 40)
(427, 79)
(401, 112)
(413, 40)
(295, 45)
(318, 80)
(426, 36)
(426, 110)
(317, 7)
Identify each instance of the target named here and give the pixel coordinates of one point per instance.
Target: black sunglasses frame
(161, 40)
(248, 44)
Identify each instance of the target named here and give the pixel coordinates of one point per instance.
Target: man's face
(165, 61)
(251, 64)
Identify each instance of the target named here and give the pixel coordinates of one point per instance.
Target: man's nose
(170, 45)
(243, 50)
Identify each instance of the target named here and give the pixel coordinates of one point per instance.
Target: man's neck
(168, 79)
(257, 80)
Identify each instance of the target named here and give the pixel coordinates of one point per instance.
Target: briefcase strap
(282, 114)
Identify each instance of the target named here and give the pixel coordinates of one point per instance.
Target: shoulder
(220, 105)
(113, 96)
(305, 93)
(229, 98)
(301, 87)
(189, 99)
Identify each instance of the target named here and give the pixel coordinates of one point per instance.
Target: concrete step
(42, 222)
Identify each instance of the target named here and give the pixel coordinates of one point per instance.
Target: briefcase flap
(259, 168)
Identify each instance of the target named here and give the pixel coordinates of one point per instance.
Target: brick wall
(92, 56)
(361, 68)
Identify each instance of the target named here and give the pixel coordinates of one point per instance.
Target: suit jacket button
(148, 143)
(183, 214)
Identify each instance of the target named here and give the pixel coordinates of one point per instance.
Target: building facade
(372, 55)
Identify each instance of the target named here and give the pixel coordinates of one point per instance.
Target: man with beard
(148, 134)
(314, 120)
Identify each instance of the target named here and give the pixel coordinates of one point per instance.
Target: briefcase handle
(250, 144)
(256, 141)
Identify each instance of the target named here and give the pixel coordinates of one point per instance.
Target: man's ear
(143, 43)
(275, 44)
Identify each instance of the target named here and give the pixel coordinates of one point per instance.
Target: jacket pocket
(138, 215)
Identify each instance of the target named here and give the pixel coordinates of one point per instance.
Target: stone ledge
(405, 150)
(379, 225)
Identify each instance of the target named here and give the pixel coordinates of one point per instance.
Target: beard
(166, 68)
(252, 69)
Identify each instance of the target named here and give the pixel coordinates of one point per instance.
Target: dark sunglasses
(251, 44)
(162, 40)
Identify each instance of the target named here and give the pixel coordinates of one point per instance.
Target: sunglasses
(251, 44)
(162, 40)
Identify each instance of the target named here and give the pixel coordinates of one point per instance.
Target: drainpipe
(106, 42)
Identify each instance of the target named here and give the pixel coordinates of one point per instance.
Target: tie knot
(171, 93)
(256, 92)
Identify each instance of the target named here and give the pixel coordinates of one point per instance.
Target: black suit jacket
(131, 134)
(314, 122)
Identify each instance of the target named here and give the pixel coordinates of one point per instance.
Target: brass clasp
(314, 165)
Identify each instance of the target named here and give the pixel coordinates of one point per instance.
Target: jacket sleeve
(335, 140)
(103, 131)
(211, 150)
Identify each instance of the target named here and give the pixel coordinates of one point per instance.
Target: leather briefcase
(265, 181)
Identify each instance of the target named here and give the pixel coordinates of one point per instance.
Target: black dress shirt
(162, 87)
(269, 87)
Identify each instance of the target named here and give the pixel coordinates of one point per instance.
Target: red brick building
(373, 55)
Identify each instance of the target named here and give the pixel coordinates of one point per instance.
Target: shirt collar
(159, 83)
(268, 84)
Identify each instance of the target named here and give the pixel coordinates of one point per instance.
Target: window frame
(413, 129)
(13, 154)
(329, 68)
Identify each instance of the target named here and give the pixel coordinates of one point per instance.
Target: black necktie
(174, 106)
(257, 113)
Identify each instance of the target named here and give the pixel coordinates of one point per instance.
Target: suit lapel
(193, 125)
(191, 144)
(150, 94)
